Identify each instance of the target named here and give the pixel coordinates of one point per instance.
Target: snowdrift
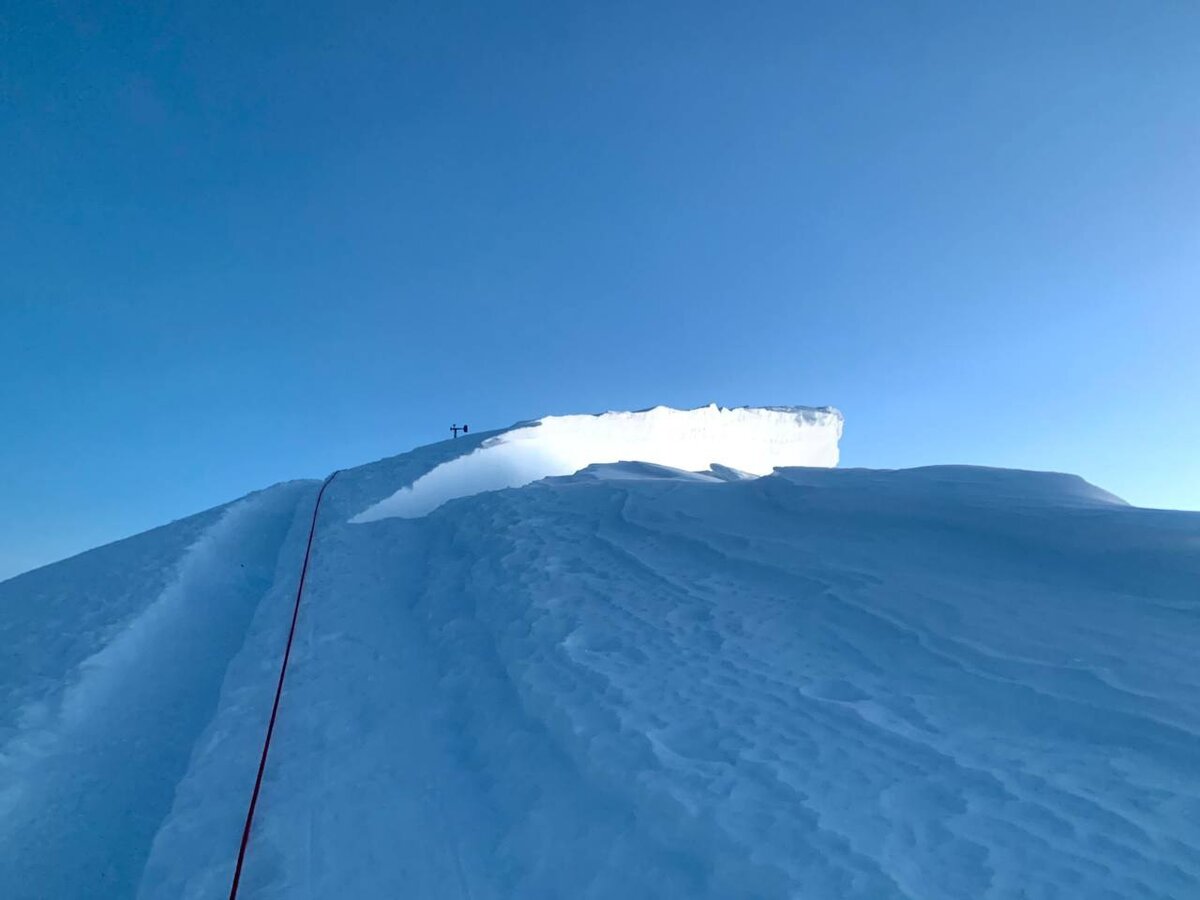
(663, 677)
(753, 440)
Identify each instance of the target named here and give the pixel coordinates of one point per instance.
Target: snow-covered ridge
(964, 484)
(634, 680)
(754, 440)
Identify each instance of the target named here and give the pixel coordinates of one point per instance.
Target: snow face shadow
(82, 780)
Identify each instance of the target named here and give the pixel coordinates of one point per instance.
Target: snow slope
(753, 440)
(634, 681)
(113, 664)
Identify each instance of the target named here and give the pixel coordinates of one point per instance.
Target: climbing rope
(287, 652)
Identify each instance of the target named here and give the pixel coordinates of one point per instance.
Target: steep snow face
(104, 698)
(754, 440)
(636, 680)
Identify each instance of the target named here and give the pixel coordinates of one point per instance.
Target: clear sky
(245, 242)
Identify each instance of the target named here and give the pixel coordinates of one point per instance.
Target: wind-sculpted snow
(94, 749)
(634, 681)
(641, 682)
(754, 440)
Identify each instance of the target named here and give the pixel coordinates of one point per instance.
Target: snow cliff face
(753, 440)
(635, 680)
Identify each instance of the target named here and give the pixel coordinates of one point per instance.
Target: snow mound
(981, 484)
(635, 471)
(754, 440)
(633, 680)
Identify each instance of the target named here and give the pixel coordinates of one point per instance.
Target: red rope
(262, 762)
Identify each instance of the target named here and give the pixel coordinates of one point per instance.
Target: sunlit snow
(754, 440)
(642, 678)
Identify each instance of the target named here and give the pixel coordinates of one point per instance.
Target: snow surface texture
(753, 440)
(634, 681)
(92, 746)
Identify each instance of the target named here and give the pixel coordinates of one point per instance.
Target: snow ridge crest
(751, 439)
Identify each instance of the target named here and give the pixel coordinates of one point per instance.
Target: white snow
(643, 679)
(752, 439)
(89, 765)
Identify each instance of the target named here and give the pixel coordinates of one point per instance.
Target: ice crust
(641, 679)
(752, 439)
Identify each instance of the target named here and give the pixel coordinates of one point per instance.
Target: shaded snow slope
(978, 485)
(639, 680)
(938, 683)
(754, 440)
(115, 660)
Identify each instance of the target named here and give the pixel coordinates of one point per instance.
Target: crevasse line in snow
(752, 439)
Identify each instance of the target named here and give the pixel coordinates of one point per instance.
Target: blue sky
(247, 244)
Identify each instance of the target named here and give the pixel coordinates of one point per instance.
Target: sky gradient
(242, 245)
